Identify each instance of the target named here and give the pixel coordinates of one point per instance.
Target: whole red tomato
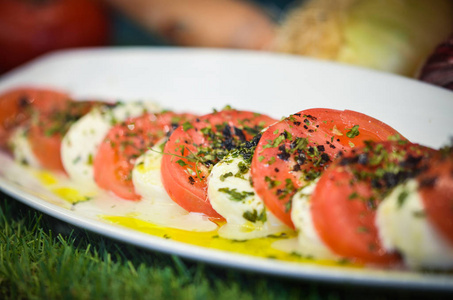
(29, 28)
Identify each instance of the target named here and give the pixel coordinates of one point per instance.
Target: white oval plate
(200, 80)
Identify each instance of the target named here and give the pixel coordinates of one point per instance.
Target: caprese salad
(347, 185)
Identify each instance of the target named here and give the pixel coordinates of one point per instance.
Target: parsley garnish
(353, 132)
(253, 216)
(235, 195)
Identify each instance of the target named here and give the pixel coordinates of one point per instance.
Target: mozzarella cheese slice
(21, 148)
(309, 242)
(232, 196)
(146, 177)
(82, 140)
(404, 227)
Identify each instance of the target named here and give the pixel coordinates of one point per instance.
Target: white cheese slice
(21, 148)
(404, 227)
(233, 197)
(309, 242)
(80, 144)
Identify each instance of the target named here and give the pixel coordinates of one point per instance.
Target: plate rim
(419, 281)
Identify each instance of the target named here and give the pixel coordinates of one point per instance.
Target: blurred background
(407, 37)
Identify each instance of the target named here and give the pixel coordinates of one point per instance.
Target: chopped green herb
(363, 229)
(186, 126)
(235, 195)
(77, 159)
(353, 195)
(181, 163)
(253, 216)
(353, 132)
(288, 206)
(419, 214)
(226, 175)
(402, 198)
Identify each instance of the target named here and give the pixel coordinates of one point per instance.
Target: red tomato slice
(16, 107)
(297, 149)
(195, 147)
(48, 129)
(124, 143)
(436, 189)
(344, 202)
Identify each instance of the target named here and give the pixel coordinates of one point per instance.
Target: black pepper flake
(305, 126)
(226, 131)
(277, 170)
(240, 134)
(283, 154)
(209, 163)
(428, 182)
(300, 159)
(321, 148)
(390, 179)
(296, 168)
(344, 161)
(376, 184)
(362, 158)
(191, 180)
(24, 101)
(325, 158)
(228, 144)
(411, 161)
(297, 123)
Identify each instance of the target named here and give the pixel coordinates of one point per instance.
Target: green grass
(43, 258)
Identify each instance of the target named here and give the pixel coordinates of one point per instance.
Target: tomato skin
(436, 189)
(344, 202)
(358, 237)
(47, 130)
(17, 106)
(29, 28)
(279, 170)
(116, 155)
(184, 177)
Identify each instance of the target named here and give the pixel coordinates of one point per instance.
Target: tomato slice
(17, 106)
(48, 128)
(124, 143)
(297, 149)
(195, 147)
(344, 202)
(436, 189)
